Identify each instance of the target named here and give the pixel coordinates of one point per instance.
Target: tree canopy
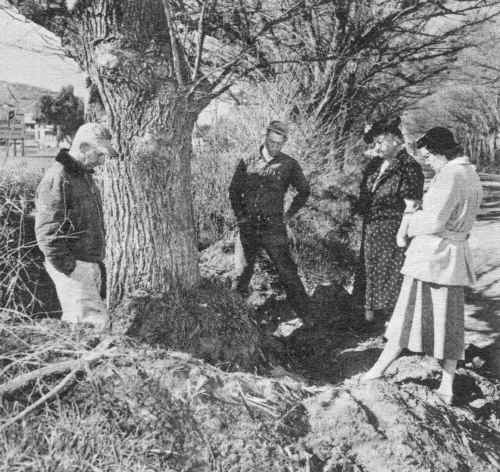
(66, 111)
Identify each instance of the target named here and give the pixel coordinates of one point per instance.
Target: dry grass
(146, 409)
(137, 409)
(208, 321)
(24, 285)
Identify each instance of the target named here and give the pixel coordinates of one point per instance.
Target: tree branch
(201, 40)
(174, 45)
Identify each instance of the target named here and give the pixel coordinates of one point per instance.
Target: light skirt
(429, 318)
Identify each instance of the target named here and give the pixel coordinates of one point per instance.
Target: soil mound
(143, 408)
(208, 321)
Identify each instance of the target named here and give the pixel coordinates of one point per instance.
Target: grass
(140, 409)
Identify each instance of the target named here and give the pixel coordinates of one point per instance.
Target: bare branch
(174, 45)
(201, 40)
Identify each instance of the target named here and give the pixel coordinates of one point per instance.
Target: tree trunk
(151, 240)
(132, 57)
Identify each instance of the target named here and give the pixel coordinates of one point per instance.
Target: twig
(75, 365)
(41, 400)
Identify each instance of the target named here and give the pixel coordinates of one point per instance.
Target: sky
(31, 55)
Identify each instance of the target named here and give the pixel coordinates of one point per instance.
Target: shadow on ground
(339, 345)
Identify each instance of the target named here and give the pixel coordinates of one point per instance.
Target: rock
(286, 328)
(217, 263)
(478, 403)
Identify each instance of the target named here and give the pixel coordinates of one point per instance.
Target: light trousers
(79, 294)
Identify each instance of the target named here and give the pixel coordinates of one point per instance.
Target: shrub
(24, 284)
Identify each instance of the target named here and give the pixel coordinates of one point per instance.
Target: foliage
(357, 59)
(24, 285)
(472, 113)
(66, 111)
(157, 64)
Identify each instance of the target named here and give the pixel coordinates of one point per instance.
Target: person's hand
(243, 220)
(291, 235)
(401, 240)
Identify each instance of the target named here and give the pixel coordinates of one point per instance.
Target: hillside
(26, 95)
(32, 55)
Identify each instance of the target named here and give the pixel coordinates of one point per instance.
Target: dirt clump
(207, 321)
(147, 408)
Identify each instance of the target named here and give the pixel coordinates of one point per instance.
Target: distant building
(49, 4)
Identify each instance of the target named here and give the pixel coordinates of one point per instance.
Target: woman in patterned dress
(388, 180)
(429, 313)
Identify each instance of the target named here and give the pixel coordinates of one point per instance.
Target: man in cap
(69, 227)
(257, 193)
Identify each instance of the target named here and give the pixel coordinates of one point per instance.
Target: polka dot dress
(381, 204)
(383, 262)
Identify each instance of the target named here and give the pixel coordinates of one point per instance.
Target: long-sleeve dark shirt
(383, 198)
(258, 187)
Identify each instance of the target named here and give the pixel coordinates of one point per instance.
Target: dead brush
(33, 356)
(24, 286)
(74, 401)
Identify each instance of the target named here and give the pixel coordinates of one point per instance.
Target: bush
(24, 284)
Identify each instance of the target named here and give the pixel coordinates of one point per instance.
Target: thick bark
(127, 52)
(151, 241)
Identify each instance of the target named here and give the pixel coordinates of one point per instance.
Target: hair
(440, 140)
(88, 133)
(388, 125)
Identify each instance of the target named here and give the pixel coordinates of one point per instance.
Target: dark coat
(402, 179)
(381, 204)
(69, 221)
(258, 188)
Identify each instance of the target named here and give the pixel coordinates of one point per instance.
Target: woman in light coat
(429, 314)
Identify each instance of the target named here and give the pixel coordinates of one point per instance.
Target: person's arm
(402, 234)
(52, 223)
(299, 182)
(362, 202)
(440, 201)
(236, 190)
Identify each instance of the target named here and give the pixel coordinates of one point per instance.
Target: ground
(302, 408)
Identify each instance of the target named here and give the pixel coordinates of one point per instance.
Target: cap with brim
(278, 127)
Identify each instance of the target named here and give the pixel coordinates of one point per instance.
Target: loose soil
(300, 406)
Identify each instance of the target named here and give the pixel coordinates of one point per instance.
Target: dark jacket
(402, 179)
(69, 222)
(258, 188)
